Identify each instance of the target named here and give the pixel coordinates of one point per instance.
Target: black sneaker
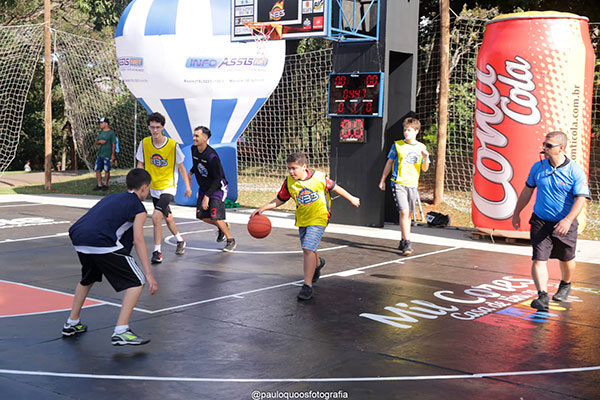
(70, 330)
(562, 294)
(96, 188)
(104, 188)
(180, 248)
(156, 257)
(541, 303)
(402, 245)
(221, 234)
(230, 246)
(408, 250)
(127, 337)
(317, 274)
(305, 293)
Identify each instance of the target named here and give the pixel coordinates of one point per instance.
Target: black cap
(103, 120)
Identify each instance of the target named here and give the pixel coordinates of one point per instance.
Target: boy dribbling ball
(311, 192)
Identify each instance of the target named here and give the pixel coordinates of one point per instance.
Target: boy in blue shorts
(103, 239)
(310, 190)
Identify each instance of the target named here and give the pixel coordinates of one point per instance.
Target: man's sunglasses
(550, 145)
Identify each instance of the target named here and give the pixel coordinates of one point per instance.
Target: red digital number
(352, 129)
(369, 107)
(345, 128)
(340, 107)
(339, 80)
(372, 80)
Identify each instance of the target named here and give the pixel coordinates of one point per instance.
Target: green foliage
(307, 45)
(102, 13)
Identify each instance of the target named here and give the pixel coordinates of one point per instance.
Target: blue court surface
(450, 321)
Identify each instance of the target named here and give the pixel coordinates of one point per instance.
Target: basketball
(259, 226)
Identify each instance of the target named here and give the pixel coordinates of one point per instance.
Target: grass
(456, 205)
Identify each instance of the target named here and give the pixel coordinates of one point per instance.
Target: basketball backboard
(299, 18)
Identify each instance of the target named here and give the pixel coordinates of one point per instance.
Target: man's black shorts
(162, 204)
(121, 270)
(546, 244)
(216, 209)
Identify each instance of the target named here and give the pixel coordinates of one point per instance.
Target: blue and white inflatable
(176, 57)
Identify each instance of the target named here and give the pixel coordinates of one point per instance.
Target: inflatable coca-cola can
(534, 76)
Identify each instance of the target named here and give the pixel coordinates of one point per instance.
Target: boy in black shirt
(213, 186)
(103, 239)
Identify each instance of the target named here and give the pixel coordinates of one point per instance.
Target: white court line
(21, 205)
(47, 312)
(34, 238)
(352, 271)
(296, 380)
(296, 283)
(63, 234)
(169, 240)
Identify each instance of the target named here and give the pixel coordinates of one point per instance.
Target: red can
(534, 76)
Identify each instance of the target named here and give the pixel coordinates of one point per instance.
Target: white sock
(72, 322)
(179, 237)
(121, 329)
(157, 247)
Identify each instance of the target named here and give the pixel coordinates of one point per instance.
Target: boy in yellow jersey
(406, 159)
(162, 157)
(310, 190)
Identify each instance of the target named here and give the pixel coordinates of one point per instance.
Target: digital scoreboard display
(357, 94)
(352, 130)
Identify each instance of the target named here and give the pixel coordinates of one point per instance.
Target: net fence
(93, 89)
(20, 51)
(293, 119)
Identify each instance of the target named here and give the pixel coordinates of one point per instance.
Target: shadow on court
(446, 322)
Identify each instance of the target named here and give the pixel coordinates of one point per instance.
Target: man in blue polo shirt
(562, 191)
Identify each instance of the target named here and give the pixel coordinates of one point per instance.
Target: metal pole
(48, 98)
(440, 166)
(134, 132)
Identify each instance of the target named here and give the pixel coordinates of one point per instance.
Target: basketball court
(453, 319)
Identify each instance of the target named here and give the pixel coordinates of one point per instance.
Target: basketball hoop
(262, 32)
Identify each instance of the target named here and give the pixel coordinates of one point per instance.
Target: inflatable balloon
(535, 75)
(176, 57)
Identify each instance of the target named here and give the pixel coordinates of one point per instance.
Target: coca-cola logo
(521, 106)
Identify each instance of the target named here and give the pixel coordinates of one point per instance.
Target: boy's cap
(103, 120)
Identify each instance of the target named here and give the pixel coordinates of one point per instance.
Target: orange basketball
(259, 226)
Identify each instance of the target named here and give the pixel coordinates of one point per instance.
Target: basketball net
(262, 32)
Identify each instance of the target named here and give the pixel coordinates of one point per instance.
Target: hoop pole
(135, 119)
(47, 98)
(440, 166)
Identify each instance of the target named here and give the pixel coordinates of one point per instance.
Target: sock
(121, 329)
(157, 247)
(72, 322)
(179, 237)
